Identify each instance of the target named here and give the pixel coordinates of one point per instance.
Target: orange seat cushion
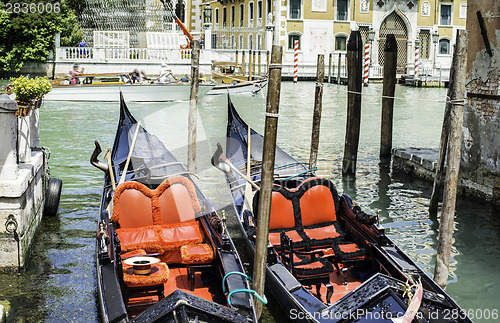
(177, 200)
(321, 233)
(197, 254)
(132, 205)
(174, 236)
(317, 206)
(159, 275)
(146, 238)
(281, 212)
(274, 237)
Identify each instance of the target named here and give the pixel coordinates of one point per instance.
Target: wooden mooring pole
(354, 85)
(260, 64)
(236, 59)
(318, 101)
(243, 62)
(330, 68)
(268, 155)
(338, 68)
(457, 100)
(250, 63)
(389, 86)
(193, 101)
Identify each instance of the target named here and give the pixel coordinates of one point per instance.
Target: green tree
(28, 28)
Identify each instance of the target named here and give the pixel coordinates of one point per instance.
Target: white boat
(106, 88)
(251, 87)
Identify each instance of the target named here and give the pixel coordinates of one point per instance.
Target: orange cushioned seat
(197, 254)
(159, 275)
(147, 238)
(176, 235)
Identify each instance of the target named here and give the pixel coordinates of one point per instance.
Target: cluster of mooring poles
(254, 61)
(450, 139)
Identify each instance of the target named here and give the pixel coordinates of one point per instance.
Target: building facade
(323, 26)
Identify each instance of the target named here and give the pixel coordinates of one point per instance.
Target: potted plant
(29, 92)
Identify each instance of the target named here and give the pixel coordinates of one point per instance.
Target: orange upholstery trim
(159, 275)
(197, 254)
(281, 212)
(147, 238)
(317, 206)
(131, 209)
(173, 236)
(274, 237)
(326, 232)
(137, 212)
(187, 184)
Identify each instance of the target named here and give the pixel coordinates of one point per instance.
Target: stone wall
(481, 135)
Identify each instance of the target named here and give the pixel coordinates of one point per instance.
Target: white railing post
(8, 133)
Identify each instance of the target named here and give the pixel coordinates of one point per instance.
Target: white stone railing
(91, 54)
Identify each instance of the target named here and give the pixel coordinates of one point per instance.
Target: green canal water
(59, 284)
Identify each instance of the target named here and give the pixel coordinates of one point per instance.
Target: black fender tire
(52, 197)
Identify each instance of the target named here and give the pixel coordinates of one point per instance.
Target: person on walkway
(165, 75)
(185, 79)
(74, 73)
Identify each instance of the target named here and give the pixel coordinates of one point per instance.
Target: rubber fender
(52, 197)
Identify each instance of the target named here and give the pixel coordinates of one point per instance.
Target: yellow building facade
(323, 26)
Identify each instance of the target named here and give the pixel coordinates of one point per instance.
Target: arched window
(216, 17)
(259, 42)
(242, 14)
(250, 41)
(444, 46)
(224, 16)
(233, 11)
(241, 42)
(250, 14)
(259, 13)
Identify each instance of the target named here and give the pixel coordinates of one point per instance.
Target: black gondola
(328, 261)
(158, 217)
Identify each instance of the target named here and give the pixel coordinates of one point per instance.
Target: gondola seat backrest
(161, 220)
(173, 201)
(177, 200)
(308, 213)
(318, 202)
(132, 205)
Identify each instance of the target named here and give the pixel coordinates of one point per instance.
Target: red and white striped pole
(417, 58)
(367, 65)
(295, 61)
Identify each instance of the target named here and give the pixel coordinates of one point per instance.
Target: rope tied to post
(275, 66)
(319, 85)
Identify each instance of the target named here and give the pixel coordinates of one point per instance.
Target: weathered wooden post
(318, 99)
(254, 60)
(452, 160)
(389, 86)
(193, 101)
(243, 62)
(268, 154)
(354, 84)
(260, 64)
(250, 65)
(236, 59)
(338, 68)
(267, 58)
(330, 68)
